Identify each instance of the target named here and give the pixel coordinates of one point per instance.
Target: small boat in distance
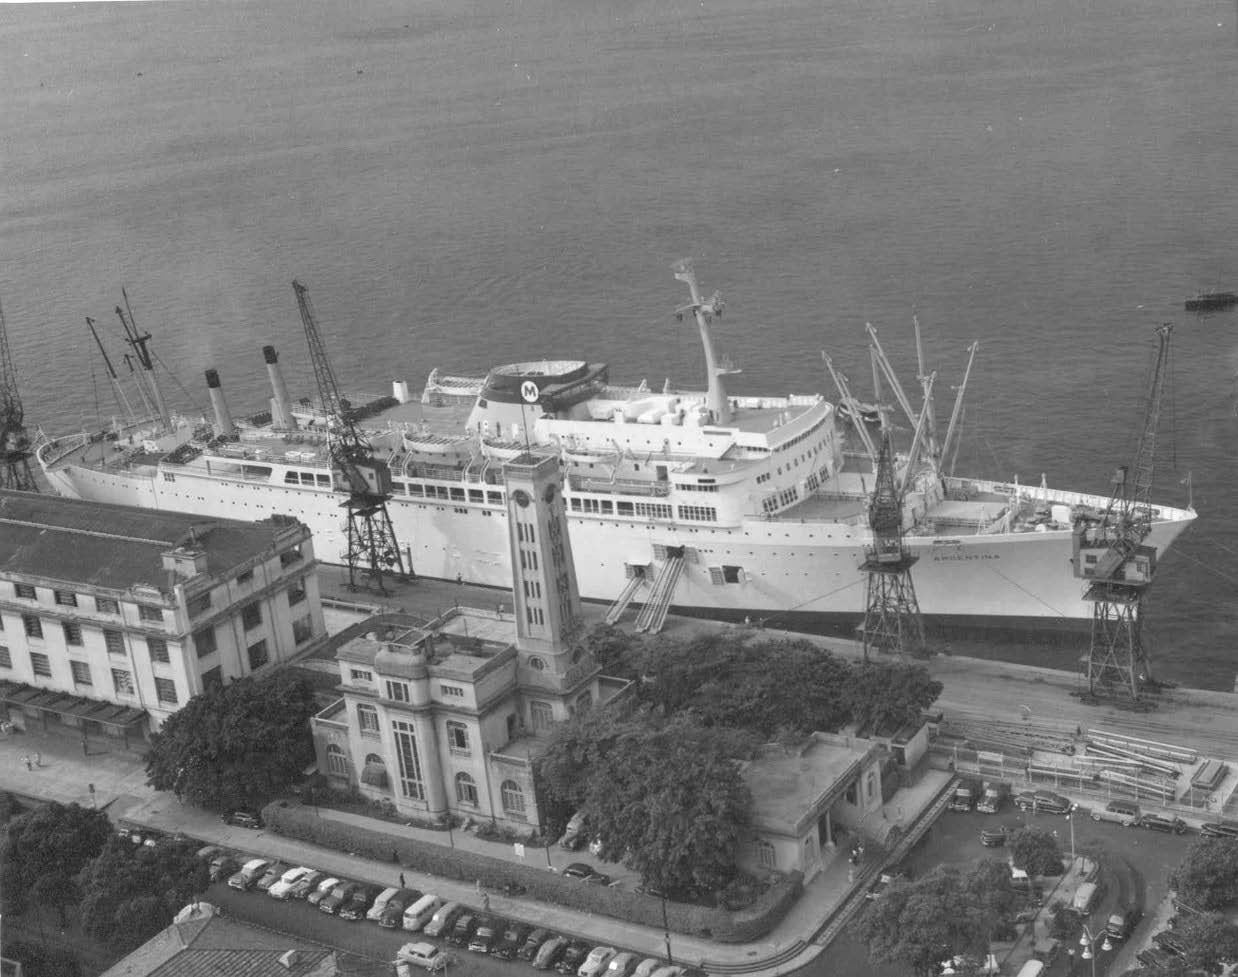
(1207, 301)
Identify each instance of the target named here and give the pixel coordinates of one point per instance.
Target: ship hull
(799, 575)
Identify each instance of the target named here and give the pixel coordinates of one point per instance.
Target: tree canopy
(732, 680)
(1036, 851)
(1210, 941)
(665, 796)
(1207, 877)
(948, 912)
(129, 894)
(54, 840)
(230, 745)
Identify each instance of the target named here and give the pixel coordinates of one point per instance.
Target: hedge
(296, 821)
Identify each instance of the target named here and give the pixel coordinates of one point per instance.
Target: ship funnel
(223, 420)
(281, 407)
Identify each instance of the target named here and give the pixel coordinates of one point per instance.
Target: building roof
(791, 786)
(211, 945)
(117, 547)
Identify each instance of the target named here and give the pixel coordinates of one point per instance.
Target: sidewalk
(119, 779)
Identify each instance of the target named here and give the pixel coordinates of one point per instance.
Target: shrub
(296, 821)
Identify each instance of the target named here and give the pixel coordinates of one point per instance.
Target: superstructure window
(457, 737)
(165, 691)
(72, 632)
(65, 598)
(257, 653)
(251, 616)
(367, 719)
(148, 612)
(122, 681)
(205, 642)
(198, 605)
(25, 591)
(105, 605)
(115, 642)
(41, 664)
(397, 691)
(81, 673)
(6, 657)
(302, 630)
(33, 625)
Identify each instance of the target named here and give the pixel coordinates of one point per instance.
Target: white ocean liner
(720, 506)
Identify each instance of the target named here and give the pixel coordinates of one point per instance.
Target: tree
(58, 890)
(54, 840)
(1210, 940)
(43, 961)
(1207, 878)
(889, 694)
(1036, 852)
(944, 914)
(665, 796)
(228, 746)
(130, 894)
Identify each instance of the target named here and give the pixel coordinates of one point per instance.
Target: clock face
(549, 494)
(522, 498)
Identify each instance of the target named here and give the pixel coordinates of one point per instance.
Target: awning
(65, 704)
(374, 775)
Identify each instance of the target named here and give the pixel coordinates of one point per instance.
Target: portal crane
(356, 470)
(892, 620)
(15, 448)
(1111, 554)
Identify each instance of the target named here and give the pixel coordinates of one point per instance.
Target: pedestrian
(459, 580)
(395, 855)
(479, 887)
(485, 902)
(402, 883)
(26, 761)
(38, 758)
(85, 747)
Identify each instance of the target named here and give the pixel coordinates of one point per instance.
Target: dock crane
(15, 447)
(892, 620)
(1111, 554)
(355, 468)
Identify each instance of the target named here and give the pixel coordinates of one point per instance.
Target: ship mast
(716, 399)
(138, 341)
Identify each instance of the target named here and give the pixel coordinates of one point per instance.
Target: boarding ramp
(624, 599)
(653, 613)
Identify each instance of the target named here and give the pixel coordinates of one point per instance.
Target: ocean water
(467, 183)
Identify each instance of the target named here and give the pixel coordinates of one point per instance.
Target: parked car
(595, 963)
(337, 897)
(533, 943)
(274, 872)
(208, 853)
(392, 915)
(379, 906)
(647, 966)
(306, 884)
(1169, 942)
(282, 888)
(548, 953)
(573, 956)
(1219, 829)
(222, 866)
(586, 873)
(668, 971)
(243, 819)
(1025, 800)
(1162, 822)
(486, 935)
(325, 886)
(248, 874)
(424, 955)
(462, 932)
(443, 919)
(622, 964)
(1122, 922)
(511, 940)
(358, 902)
(1155, 958)
(1125, 813)
(998, 835)
(1051, 803)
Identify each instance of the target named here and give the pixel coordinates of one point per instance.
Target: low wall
(296, 821)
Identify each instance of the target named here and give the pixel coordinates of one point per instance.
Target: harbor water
(461, 184)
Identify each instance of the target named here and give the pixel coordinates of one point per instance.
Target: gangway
(624, 599)
(653, 613)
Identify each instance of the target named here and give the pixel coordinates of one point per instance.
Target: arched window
(766, 854)
(513, 798)
(337, 761)
(374, 758)
(466, 789)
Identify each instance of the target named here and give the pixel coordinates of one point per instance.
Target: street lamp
(1070, 816)
(1087, 941)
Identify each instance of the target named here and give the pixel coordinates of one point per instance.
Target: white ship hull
(796, 574)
